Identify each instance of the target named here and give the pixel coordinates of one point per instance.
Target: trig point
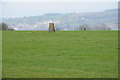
(51, 27)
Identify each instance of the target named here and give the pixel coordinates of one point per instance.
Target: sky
(60, 0)
(33, 8)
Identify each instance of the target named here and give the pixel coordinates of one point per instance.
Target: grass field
(64, 54)
(0, 54)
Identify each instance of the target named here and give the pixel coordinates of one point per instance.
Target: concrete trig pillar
(51, 27)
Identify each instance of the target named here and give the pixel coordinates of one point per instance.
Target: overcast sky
(60, 0)
(20, 9)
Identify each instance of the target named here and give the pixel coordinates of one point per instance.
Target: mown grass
(64, 54)
(0, 54)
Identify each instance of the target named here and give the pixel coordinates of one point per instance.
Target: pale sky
(20, 8)
(60, 0)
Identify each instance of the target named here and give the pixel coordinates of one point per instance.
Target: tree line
(84, 27)
(4, 26)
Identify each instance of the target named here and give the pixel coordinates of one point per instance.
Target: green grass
(0, 54)
(64, 54)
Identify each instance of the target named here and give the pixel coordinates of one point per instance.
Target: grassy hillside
(64, 54)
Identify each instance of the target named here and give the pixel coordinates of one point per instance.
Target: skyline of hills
(68, 21)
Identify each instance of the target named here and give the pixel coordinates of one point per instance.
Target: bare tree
(83, 27)
(103, 26)
(4, 26)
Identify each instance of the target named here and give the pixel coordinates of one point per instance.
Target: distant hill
(68, 21)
